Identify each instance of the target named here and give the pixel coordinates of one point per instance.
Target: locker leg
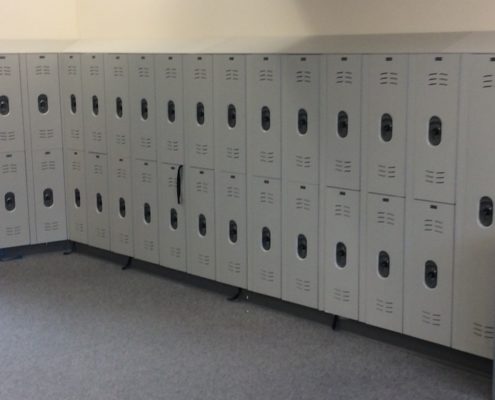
(127, 264)
(236, 295)
(71, 249)
(4, 257)
(335, 321)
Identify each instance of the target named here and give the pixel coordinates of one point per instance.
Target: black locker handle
(4, 105)
(383, 264)
(231, 116)
(302, 121)
(200, 113)
(342, 124)
(77, 197)
(265, 118)
(43, 103)
(485, 213)
(48, 197)
(9, 201)
(171, 111)
(431, 274)
(302, 246)
(119, 108)
(435, 131)
(174, 219)
(73, 103)
(341, 254)
(147, 213)
(178, 184)
(122, 207)
(266, 238)
(144, 109)
(96, 105)
(387, 127)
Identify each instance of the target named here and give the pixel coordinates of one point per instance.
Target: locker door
(300, 252)
(474, 280)
(93, 84)
(71, 101)
(11, 127)
(75, 194)
(343, 113)
(142, 92)
(264, 115)
(342, 252)
(301, 117)
(200, 221)
(145, 202)
(384, 261)
(265, 238)
(14, 230)
(231, 222)
(44, 101)
(97, 200)
(428, 272)
(172, 216)
(433, 111)
(230, 112)
(385, 123)
(121, 206)
(49, 195)
(198, 112)
(117, 104)
(170, 111)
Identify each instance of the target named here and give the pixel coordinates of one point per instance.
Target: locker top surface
(34, 46)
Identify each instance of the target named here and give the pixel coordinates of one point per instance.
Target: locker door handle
(122, 207)
(435, 131)
(43, 103)
(231, 116)
(383, 264)
(174, 219)
(485, 213)
(202, 225)
(302, 121)
(265, 118)
(200, 113)
(171, 111)
(95, 104)
(431, 274)
(178, 184)
(302, 246)
(233, 231)
(266, 238)
(341, 255)
(73, 103)
(119, 107)
(4, 105)
(342, 124)
(147, 213)
(99, 202)
(48, 197)
(9, 201)
(144, 109)
(387, 127)
(77, 198)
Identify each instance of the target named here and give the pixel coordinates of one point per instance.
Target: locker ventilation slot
(96, 136)
(342, 295)
(48, 165)
(204, 259)
(101, 233)
(146, 177)
(387, 171)
(13, 230)
(50, 226)
(343, 166)
(71, 70)
(98, 169)
(430, 318)
(170, 73)
(75, 134)
(94, 70)
(118, 72)
(200, 73)
(266, 275)
(143, 72)
(121, 173)
(487, 81)
(171, 182)
(9, 168)
(76, 166)
(438, 79)
(384, 306)
(389, 78)
(149, 245)
(233, 153)
(234, 267)
(304, 161)
(7, 136)
(303, 204)
(145, 142)
(175, 252)
(267, 157)
(233, 192)
(202, 187)
(265, 75)
(433, 225)
(343, 78)
(341, 210)
(172, 145)
(5, 70)
(123, 238)
(435, 177)
(120, 139)
(42, 70)
(232, 75)
(483, 331)
(266, 198)
(201, 149)
(46, 133)
(383, 217)
(303, 76)
(303, 285)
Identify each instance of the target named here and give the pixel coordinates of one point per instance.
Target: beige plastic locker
(75, 194)
(169, 86)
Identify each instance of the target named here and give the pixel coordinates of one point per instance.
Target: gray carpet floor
(77, 327)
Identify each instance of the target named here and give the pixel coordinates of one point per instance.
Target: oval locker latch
(119, 107)
(341, 255)
(122, 207)
(73, 103)
(99, 202)
(77, 197)
(265, 118)
(302, 121)
(144, 109)
(387, 127)
(342, 124)
(147, 213)
(200, 113)
(174, 219)
(233, 231)
(485, 213)
(4, 105)
(43, 103)
(435, 131)
(48, 197)
(431, 274)
(9, 201)
(202, 225)
(383, 264)
(302, 246)
(95, 104)
(266, 238)
(171, 111)
(231, 116)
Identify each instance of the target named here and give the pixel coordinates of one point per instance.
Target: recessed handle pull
(4, 105)
(122, 207)
(48, 197)
(383, 264)
(77, 197)
(266, 238)
(342, 124)
(200, 113)
(96, 105)
(43, 103)
(265, 118)
(178, 184)
(147, 213)
(302, 121)
(144, 109)
(119, 107)
(302, 246)
(435, 131)
(73, 103)
(387, 127)
(174, 219)
(341, 255)
(233, 231)
(171, 111)
(431, 274)
(485, 213)
(231, 116)
(202, 225)
(9, 199)
(99, 202)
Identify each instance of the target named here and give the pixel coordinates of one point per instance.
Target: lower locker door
(75, 194)
(231, 232)
(14, 229)
(172, 216)
(300, 252)
(200, 221)
(265, 237)
(384, 261)
(342, 252)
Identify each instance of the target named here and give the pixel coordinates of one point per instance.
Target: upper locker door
(198, 112)
(142, 97)
(264, 138)
(300, 249)
(384, 261)
(44, 101)
(385, 85)
(301, 117)
(231, 229)
(11, 125)
(428, 271)
(117, 105)
(14, 230)
(343, 130)
(230, 112)
(172, 216)
(93, 81)
(474, 280)
(433, 120)
(169, 108)
(71, 101)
